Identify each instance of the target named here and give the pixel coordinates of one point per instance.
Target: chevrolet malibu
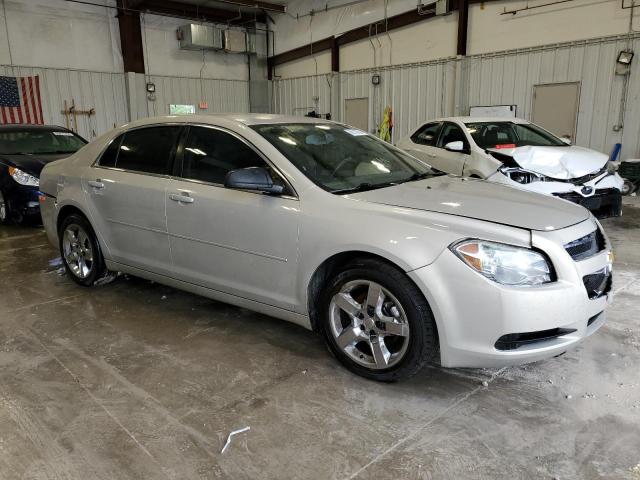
(330, 228)
(521, 154)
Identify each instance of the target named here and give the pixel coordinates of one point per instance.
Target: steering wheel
(353, 158)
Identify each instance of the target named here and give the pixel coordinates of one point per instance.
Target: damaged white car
(518, 153)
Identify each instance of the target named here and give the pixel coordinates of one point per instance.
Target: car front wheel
(377, 322)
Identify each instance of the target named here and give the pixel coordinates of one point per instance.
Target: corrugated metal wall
(100, 90)
(424, 91)
(415, 92)
(221, 95)
(297, 96)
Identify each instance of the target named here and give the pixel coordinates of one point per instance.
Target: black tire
(423, 338)
(628, 188)
(6, 213)
(98, 269)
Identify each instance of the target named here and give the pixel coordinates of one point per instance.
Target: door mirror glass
(457, 146)
(252, 178)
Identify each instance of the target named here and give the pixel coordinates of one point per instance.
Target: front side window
(451, 133)
(148, 150)
(34, 141)
(427, 135)
(341, 159)
(511, 135)
(209, 154)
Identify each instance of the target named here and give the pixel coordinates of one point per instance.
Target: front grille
(606, 202)
(513, 341)
(587, 246)
(598, 284)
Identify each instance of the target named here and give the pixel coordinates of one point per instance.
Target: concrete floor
(136, 380)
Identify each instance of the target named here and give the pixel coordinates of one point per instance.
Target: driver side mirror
(252, 178)
(457, 146)
(566, 140)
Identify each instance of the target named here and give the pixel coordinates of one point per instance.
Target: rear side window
(148, 150)
(427, 135)
(209, 154)
(110, 155)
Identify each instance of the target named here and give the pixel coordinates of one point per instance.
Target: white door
(555, 108)
(452, 162)
(237, 242)
(356, 113)
(422, 145)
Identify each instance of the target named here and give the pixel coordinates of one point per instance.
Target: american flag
(20, 100)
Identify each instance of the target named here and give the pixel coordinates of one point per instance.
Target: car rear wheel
(80, 251)
(377, 322)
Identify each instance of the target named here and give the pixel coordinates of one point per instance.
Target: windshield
(39, 141)
(342, 159)
(511, 135)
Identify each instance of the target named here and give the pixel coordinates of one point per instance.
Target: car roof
(222, 118)
(17, 127)
(468, 119)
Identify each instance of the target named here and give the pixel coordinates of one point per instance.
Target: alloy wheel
(369, 324)
(3, 208)
(77, 250)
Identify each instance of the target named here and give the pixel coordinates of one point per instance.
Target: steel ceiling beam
(197, 12)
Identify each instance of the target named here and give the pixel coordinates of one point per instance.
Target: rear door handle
(181, 198)
(96, 184)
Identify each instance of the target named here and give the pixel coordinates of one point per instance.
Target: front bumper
(24, 200)
(473, 313)
(601, 195)
(603, 203)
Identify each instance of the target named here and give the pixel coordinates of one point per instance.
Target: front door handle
(431, 155)
(181, 198)
(96, 184)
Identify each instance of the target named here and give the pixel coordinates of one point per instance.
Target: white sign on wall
(502, 111)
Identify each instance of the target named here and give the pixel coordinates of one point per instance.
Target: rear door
(454, 161)
(238, 242)
(126, 191)
(422, 145)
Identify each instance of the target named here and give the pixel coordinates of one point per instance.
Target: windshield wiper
(363, 187)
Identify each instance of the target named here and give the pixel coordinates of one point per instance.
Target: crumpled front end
(600, 192)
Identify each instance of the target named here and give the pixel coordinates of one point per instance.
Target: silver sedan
(328, 227)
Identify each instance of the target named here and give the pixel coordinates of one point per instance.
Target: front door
(237, 242)
(454, 160)
(126, 192)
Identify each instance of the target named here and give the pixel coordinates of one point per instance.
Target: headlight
(504, 264)
(521, 176)
(23, 178)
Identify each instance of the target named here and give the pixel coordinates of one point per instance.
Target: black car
(24, 151)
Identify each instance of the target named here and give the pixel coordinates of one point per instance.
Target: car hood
(480, 200)
(32, 164)
(563, 163)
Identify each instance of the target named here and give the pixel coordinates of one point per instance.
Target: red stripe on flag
(25, 100)
(37, 101)
(4, 115)
(12, 119)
